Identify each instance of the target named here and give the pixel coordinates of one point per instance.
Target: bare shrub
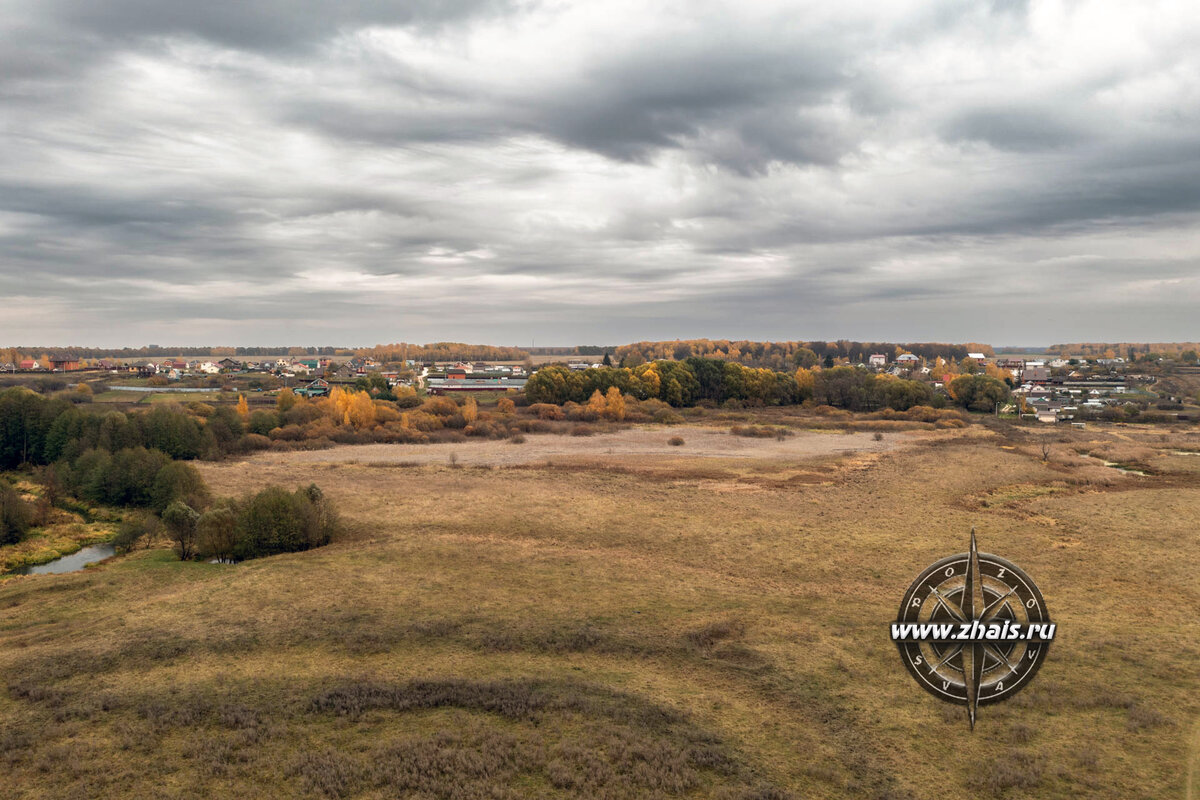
(1016, 769)
(547, 411)
(252, 442)
(705, 637)
(327, 772)
(1143, 718)
(760, 432)
(1020, 733)
(1087, 757)
(675, 441)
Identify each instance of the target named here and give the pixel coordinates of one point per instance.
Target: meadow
(686, 620)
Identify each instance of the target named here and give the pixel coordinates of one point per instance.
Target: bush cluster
(15, 515)
(133, 476)
(270, 522)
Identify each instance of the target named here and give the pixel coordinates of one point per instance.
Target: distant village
(1050, 390)
(1053, 390)
(306, 376)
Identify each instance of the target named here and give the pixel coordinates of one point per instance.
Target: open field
(699, 621)
(643, 441)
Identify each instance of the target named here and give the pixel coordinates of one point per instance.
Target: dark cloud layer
(564, 172)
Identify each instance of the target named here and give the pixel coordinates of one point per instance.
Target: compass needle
(973, 654)
(945, 659)
(999, 656)
(946, 604)
(994, 607)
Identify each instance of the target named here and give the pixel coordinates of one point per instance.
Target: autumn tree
(977, 392)
(216, 533)
(505, 406)
(614, 404)
(470, 411)
(285, 401)
(243, 408)
(805, 358)
(15, 515)
(181, 522)
(360, 410)
(596, 404)
(804, 383)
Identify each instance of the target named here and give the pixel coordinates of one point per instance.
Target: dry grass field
(628, 621)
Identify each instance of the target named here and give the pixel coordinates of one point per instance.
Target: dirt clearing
(698, 443)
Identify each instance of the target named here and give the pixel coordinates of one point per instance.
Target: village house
(877, 360)
(318, 388)
(1036, 375)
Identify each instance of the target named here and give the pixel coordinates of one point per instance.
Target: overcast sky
(359, 171)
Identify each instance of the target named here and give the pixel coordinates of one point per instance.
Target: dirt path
(648, 441)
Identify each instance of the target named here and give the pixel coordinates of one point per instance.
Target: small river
(72, 563)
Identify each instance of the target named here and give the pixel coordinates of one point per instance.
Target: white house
(877, 360)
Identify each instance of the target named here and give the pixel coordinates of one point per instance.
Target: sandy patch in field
(642, 441)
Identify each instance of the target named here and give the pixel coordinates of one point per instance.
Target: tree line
(1127, 350)
(138, 461)
(781, 355)
(697, 380)
(442, 351)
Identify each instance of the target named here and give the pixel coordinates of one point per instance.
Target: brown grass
(627, 625)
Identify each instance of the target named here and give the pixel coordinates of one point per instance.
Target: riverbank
(44, 545)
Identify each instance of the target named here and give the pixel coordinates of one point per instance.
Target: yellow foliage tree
(286, 400)
(337, 405)
(614, 404)
(596, 404)
(805, 380)
(360, 410)
(470, 411)
(650, 379)
(505, 406)
(243, 408)
(992, 371)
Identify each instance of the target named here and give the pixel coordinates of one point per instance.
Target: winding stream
(72, 563)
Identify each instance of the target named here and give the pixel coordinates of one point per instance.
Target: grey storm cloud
(356, 172)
